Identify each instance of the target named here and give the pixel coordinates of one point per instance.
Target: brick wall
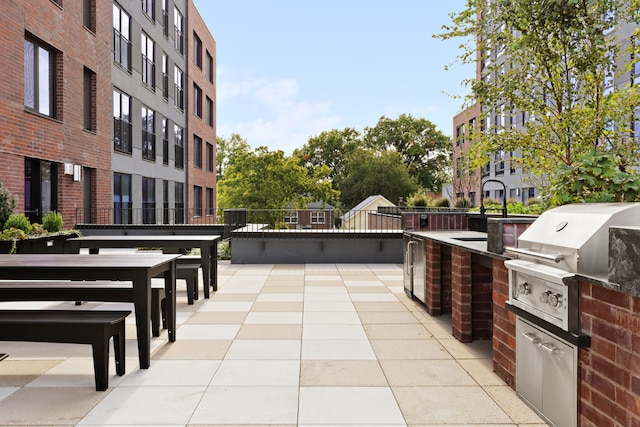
(61, 139)
(481, 302)
(504, 326)
(436, 221)
(461, 295)
(199, 176)
(433, 289)
(610, 369)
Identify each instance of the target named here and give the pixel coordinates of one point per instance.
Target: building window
(178, 26)
(148, 63)
(149, 7)
(121, 122)
(148, 200)
(197, 50)
(197, 151)
(179, 146)
(210, 210)
(460, 135)
(197, 100)
(40, 188)
(39, 78)
(209, 155)
(165, 201)
(209, 65)
(165, 18)
(89, 14)
(209, 112)
(148, 133)
(165, 142)
(122, 199)
(121, 38)
(89, 99)
(291, 217)
(499, 157)
(178, 86)
(197, 200)
(317, 217)
(179, 202)
(165, 76)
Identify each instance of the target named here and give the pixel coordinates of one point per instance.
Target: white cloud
(277, 118)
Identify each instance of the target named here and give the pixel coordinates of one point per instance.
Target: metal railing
(253, 220)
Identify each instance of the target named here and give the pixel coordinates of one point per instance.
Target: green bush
(52, 222)
(19, 222)
(7, 204)
(418, 200)
(442, 202)
(224, 250)
(462, 203)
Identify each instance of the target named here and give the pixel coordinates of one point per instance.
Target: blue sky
(290, 69)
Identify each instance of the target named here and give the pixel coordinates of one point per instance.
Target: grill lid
(575, 237)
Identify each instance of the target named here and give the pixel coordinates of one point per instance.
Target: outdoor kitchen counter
(472, 241)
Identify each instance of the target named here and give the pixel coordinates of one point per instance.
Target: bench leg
(118, 349)
(101, 362)
(155, 312)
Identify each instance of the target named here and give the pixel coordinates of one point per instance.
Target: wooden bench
(94, 290)
(72, 326)
(187, 267)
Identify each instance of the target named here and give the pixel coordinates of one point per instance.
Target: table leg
(142, 307)
(205, 262)
(170, 301)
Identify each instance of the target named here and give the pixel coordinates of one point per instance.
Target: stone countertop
(472, 241)
(624, 260)
(624, 278)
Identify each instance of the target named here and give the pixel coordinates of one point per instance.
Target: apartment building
(201, 119)
(95, 109)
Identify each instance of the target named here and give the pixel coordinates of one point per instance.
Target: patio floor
(280, 345)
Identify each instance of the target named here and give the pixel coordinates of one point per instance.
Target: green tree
(371, 172)
(263, 179)
(227, 150)
(423, 148)
(329, 148)
(548, 61)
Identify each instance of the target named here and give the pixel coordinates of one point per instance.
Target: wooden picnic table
(208, 245)
(139, 269)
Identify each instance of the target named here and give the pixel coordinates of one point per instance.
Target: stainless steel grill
(563, 242)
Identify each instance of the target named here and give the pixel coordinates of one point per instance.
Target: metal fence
(252, 220)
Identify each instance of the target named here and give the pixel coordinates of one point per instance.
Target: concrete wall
(298, 250)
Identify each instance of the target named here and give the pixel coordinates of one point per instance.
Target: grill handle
(549, 257)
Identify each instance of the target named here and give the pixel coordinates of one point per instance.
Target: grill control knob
(555, 300)
(545, 296)
(523, 288)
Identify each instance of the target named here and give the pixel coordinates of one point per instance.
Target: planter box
(56, 244)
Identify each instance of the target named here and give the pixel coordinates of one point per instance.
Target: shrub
(19, 222)
(491, 201)
(442, 202)
(462, 203)
(418, 200)
(52, 222)
(7, 204)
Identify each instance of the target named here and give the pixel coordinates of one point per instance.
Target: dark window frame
(122, 128)
(34, 65)
(121, 40)
(148, 133)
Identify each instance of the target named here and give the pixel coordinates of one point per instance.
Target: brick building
(95, 106)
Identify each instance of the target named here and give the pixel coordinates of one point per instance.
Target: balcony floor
(280, 345)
